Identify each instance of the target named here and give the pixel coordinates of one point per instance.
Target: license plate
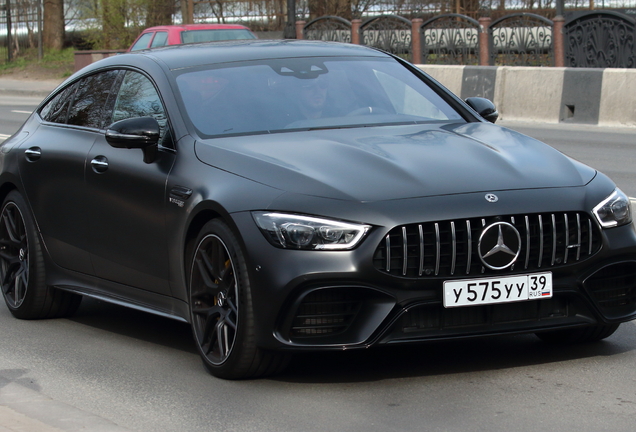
(506, 289)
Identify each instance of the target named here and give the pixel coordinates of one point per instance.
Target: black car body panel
(396, 162)
(124, 227)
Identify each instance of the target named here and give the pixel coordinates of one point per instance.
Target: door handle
(33, 154)
(99, 164)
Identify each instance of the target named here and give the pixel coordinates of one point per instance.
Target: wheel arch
(5, 189)
(204, 212)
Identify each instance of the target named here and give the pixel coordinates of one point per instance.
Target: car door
(127, 197)
(52, 167)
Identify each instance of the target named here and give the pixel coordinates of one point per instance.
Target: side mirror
(138, 132)
(484, 108)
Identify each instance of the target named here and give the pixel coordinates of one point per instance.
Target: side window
(161, 39)
(142, 42)
(138, 97)
(90, 100)
(56, 109)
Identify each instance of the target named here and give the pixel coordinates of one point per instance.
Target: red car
(181, 34)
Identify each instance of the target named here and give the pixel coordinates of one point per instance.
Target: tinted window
(215, 35)
(138, 97)
(57, 109)
(161, 39)
(263, 96)
(142, 42)
(90, 99)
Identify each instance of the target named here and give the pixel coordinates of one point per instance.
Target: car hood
(395, 162)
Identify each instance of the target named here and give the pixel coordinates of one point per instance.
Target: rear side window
(142, 42)
(56, 110)
(90, 100)
(161, 39)
(193, 36)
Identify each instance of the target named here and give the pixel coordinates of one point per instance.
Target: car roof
(189, 27)
(192, 55)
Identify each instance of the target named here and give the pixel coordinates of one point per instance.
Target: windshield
(306, 93)
(192, 36)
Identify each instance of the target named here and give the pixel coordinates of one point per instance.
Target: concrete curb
(603, 97)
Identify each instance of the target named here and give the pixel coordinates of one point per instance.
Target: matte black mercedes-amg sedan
(293, 195)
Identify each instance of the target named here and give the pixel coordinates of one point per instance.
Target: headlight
(613, 211)
(306, 232)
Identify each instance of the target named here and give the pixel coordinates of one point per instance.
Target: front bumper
(301, 306)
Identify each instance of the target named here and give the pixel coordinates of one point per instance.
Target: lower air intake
(326, 312)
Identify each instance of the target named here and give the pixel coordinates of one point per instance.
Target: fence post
(557, 37)
(416, 43)
(299, 29)
(355, 31)
(484, 39)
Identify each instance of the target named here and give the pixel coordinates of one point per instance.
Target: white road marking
(3, 136)
(21, 112)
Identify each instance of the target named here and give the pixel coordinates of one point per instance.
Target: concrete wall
(606, 97)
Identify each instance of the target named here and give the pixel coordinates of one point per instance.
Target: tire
(22, 270)
(587, 334)
(221, 309)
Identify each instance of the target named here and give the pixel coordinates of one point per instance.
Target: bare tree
(160, 12)
(341, 8)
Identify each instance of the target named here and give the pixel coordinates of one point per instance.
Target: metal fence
(450, 39)
(600, 39)
(521, 39)
(588, 39)
(19, 28)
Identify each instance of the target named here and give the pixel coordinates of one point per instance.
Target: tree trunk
(53, 31)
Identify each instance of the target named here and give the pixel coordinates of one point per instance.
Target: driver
(312, 96)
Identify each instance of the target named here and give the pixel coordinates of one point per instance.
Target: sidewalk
(39, 88)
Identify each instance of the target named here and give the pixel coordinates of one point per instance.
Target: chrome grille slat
(469, 241)
(405, 251)
(527, 241)
(578, 237)
(421, 234)
(388, 252)
(567, 238)
(453, 248)
(438, 247)
(589, 224)
(446, 248)
(540, 241)
(554, 239)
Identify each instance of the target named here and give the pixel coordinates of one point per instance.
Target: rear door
(52, 167)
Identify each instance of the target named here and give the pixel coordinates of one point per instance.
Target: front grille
(449, 248)
(435, 318)
(326, 312)
(614, 286)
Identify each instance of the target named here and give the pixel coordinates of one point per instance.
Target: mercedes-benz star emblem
(492, 198)
(499, 245)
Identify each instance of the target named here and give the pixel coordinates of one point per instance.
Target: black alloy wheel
(214, 299)
(22, 270)
(221, 308)
(14, 255)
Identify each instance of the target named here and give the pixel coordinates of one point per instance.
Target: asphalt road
(123, 369)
